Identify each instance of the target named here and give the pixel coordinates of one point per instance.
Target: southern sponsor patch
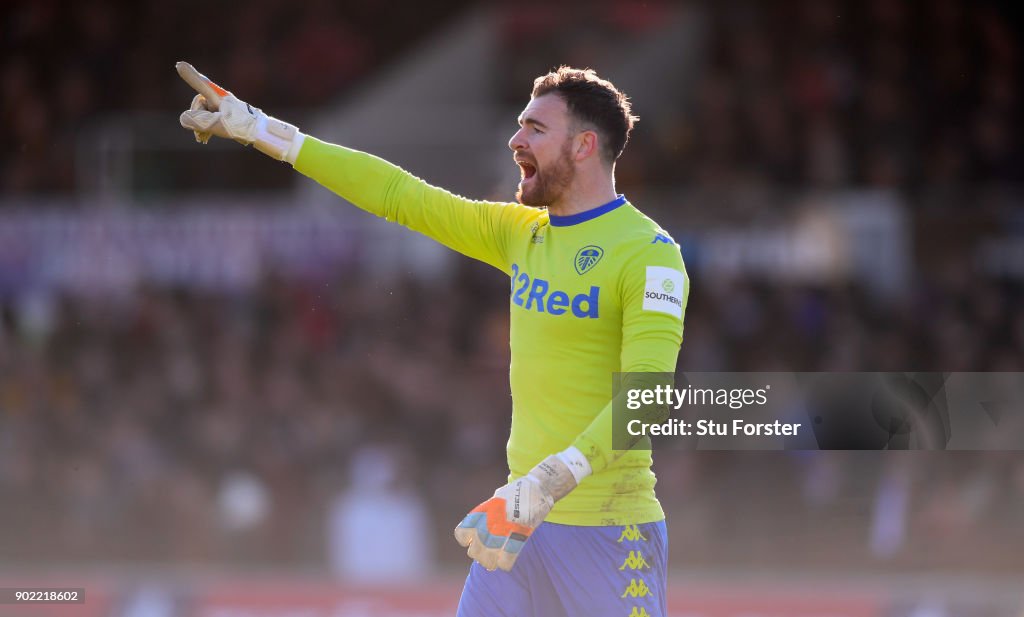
(664, 290)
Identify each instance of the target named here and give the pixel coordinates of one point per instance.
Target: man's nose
(517, 142)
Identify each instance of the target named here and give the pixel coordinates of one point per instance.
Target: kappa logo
(631, 533)
(636, 589)
(662, 238)
(638, 611)
(635, 561)
(533, 234)
(587, 257)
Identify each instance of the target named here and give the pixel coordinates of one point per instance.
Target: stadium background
(225, 392)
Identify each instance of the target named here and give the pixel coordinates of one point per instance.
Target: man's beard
(548, 188)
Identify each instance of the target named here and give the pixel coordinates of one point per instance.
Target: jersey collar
(586, 215)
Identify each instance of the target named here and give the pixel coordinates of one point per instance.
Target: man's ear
(586, 145)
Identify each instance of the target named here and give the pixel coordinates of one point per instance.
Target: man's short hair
(593, 101)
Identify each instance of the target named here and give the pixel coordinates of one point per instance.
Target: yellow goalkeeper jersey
(592, 294)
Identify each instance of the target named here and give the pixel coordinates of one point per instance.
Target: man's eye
(537, 130)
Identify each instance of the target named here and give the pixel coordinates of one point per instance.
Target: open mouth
(527, 169)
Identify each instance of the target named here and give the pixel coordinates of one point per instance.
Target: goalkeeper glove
(215, 111)
(496, 530)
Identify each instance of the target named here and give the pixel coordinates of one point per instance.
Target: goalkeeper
(596, 288)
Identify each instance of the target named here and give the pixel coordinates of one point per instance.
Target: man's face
(542, 148)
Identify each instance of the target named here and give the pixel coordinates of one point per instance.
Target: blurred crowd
(954, 322)
(906, 95)
(171, 424)
(813, 93)
(177, 425)
(65, 66)
(823, 94)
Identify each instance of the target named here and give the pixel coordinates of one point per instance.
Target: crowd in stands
(821, 94)
(64, 67)
(177, 425)
(907, 95)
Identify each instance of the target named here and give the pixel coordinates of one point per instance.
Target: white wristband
(576, 462)
(293, 151)
(276, 138)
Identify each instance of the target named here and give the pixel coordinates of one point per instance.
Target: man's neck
(582, 198)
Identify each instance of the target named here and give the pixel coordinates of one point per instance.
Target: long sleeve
(481, 230)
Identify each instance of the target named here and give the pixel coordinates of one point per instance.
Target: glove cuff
(554, 477)
(277, 139)
(576, 462)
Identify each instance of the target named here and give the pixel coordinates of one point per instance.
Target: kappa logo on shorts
(637, 589)
(635, 561)
(631, 533)
(587, 257)
(638, 611)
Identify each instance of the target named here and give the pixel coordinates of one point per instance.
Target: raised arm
(478, 229)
